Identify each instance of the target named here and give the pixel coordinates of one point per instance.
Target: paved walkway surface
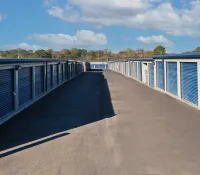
(102, 124)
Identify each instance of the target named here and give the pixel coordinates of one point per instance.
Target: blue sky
(95, 24)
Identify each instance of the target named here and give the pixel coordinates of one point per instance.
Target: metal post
(155, 74)
(16, 89)
(179, 78)
(198, 74)
(45, 78)
(165, 75)
(33, 82)
(58, 75)
(52, 76)
(63, 71)
(137, 77)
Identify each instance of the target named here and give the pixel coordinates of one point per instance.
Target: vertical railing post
(179, 79)
(165, 75)
(52, 76)
(67, 71)
(63, 72)
(137, 77)
(58, 73)
(33, 82)
(148, 68)
(45, 77)
(128, 68)
(198, 78)
(59, 70)
(155, 74)
(16, 89)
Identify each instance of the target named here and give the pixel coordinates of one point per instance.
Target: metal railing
(176, 75)
(24, 81)
(98, 65)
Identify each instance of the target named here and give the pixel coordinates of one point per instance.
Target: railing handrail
(30, 60)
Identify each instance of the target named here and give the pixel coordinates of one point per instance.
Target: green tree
(63, 53)
(24, 53)
(74, 53)
(41, 54)
(197, 49)
(159, 50)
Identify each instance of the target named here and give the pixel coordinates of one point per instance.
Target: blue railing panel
(6, 92)
(160, 74)
(131, 69)
(39, 80)
(66, 69)
(72, 69)
(69, 71)
(99, 66)
(189, 82)
(139, 71)
(55, 75)
(49, 77)
(60, 73)
(134, 69)
(63, 71)
(172, 84)
(151, 75)
(25, 85)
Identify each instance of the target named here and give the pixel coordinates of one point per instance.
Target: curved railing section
(177, 75)
(24, 81)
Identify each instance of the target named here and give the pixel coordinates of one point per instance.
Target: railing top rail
(97, 61)
(117, 60)
(178, 56)
(132, 59)
(141, 59)
(31, 60)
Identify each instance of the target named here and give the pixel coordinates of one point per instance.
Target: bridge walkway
(102, 124)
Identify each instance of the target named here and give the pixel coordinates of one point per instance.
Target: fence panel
(39, 80)
(55, 75)
(65, 71)
(25, 85)
(6, 92)
(49, 77)
(151, 75)
(189, 82)
(160, 74)
(60, 73)
(135, 69)
(172, 84)
(139, 71)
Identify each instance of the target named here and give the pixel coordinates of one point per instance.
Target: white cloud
(155, 40)
(46, 3)
(83, 38)
(144, 14)
(2, 16)
(24, 46)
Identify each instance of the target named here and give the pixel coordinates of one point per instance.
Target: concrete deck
(97, 126)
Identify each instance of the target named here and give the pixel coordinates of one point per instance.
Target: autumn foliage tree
(77, 54)
(159, 50)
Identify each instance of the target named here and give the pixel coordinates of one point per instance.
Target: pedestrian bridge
(100, 122)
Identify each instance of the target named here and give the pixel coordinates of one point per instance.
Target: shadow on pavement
(32, 145)
(95, 70)
(82, 101)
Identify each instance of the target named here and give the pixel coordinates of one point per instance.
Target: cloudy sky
(99, 24)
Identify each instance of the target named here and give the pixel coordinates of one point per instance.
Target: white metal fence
(176, 75)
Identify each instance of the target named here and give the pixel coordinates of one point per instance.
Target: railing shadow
(95, 70)
(82, 101)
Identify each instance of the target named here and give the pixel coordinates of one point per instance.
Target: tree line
(83, 54)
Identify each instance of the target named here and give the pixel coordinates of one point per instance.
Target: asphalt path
(102, 124)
